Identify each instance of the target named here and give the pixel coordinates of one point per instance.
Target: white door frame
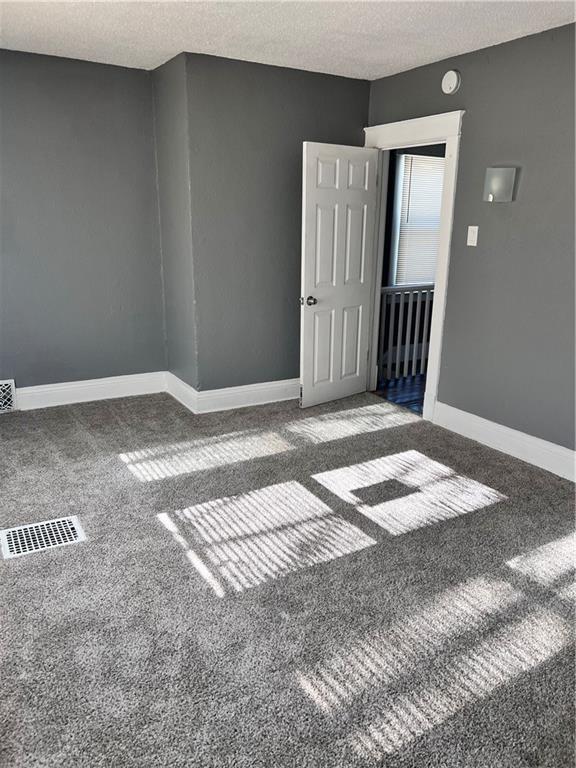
(435, 129)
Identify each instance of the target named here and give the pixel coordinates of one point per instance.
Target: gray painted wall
(508, 352)
(172, 152)
(80, 291)
(247, 124)
(80, 257)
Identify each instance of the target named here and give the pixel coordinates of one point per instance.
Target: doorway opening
(409, 259)
(350, 306)
(419, 132)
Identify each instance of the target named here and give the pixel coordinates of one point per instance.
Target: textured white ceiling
(357, 39)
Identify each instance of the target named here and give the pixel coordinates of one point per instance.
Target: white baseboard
(47, 395)
(554, 458)
(208, 401)
(250, 394)
(182, 392)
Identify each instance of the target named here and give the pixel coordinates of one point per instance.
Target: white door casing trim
(554, 458)
(434, 129)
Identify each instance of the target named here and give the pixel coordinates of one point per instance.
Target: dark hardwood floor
(407, 392)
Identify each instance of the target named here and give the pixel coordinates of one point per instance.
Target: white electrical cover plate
(472, 238)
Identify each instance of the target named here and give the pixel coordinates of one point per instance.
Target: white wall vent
(38, 536)
(7, 395)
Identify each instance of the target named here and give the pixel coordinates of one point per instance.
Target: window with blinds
(416, 222)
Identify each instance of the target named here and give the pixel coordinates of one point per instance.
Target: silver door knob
(311, 300)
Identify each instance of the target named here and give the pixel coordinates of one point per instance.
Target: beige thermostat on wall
(451, 81)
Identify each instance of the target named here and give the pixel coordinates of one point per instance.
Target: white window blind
(416, 223)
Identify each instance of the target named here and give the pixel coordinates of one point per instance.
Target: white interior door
(338, 222)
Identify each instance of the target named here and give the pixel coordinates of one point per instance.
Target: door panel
(338, 220)
(327, 172)
(358, 175)
(323, 345)
(351, 348)
(326, 240)
(355, 243)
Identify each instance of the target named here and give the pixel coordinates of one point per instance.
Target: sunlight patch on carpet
(382, 657)
(246, 540)
(206, 453)
(351, 422)
(438, 492)
(552, 565)
(522, 645)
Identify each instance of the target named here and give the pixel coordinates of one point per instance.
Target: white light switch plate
(472, 236)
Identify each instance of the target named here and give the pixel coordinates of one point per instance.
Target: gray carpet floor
(342, 586)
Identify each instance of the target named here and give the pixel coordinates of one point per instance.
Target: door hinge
(300, 397)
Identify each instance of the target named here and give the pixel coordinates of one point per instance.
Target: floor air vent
(38, 536)
(7, 396)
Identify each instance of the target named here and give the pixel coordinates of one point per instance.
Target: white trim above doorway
(434, 129)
